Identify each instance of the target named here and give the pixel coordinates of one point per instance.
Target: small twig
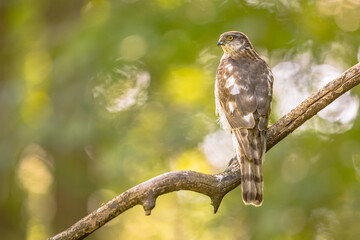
(214, 186)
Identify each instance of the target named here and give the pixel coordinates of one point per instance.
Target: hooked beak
(220, 43)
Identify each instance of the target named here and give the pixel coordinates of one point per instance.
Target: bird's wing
(245, 93)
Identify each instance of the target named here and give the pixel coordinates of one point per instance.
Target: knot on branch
(216, 200)
(148, 204)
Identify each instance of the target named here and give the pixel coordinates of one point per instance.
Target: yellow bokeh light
(38, 67)
(192, 160)
(34, 175)
(133, 47)
(348, 19)
(187, 85)
(36, 230)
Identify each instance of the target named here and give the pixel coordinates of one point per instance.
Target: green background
(99, 96)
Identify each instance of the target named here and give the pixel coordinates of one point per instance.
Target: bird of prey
(243, 93)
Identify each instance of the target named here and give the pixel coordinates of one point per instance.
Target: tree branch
(214, 186)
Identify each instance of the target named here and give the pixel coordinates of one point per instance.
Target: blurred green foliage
(97, 96)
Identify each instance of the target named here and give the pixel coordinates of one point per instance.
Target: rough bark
(215, 186)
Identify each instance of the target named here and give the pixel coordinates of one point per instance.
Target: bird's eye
(230, 38)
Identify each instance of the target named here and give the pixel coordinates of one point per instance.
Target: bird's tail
(250, 146)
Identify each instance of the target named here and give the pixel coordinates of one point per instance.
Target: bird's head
(234, 42)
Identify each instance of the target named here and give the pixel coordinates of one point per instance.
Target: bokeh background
(97, 96)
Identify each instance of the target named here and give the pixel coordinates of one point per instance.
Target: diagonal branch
(214, 186)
